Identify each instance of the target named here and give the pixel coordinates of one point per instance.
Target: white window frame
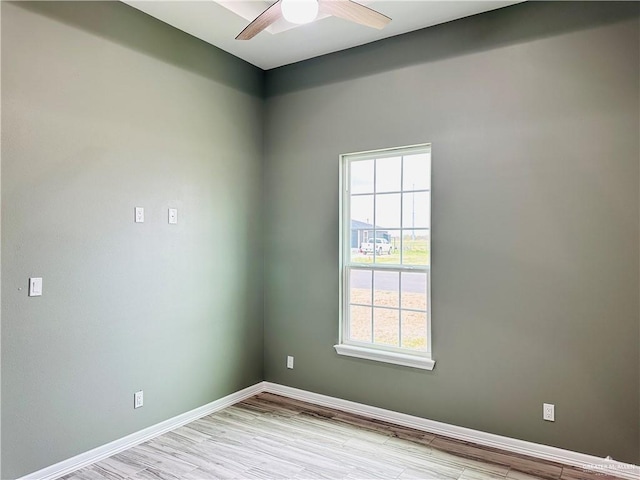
(389, 354)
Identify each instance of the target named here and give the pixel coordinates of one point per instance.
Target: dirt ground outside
(387, 322)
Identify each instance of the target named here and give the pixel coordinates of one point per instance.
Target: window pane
(388, 171)
(388, 247)
(362, 212)
(360, 286)
(386, 289)
(416, 172)
(416, 210)
(387, 212)
(362, 176)
(361, 226)
(386, 326)
(414, 330)
(414, 290)
(360, 327)
(415, 247)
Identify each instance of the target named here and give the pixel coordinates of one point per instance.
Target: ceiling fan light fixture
(299, 11)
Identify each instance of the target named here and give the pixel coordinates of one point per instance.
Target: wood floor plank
(417, 461)
(135, 456)
(86, 473)
(151, 473)
(410, 443)
(300, 405)
(516, 475)
(470, 474)
(465, 462)
(362, 460)
(213, 460)
(569, 473)
(210, 473)
(165, 461)
(186, 436)
(120, 466)
(517, 462)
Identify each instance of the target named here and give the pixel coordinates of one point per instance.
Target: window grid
(350, 265)
(383, 307)
(401, 235)
(396, 192)
(372, 279)
(400, 309)
(375, 220)
(400, 290)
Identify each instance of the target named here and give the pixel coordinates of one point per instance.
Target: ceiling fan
(305, 11)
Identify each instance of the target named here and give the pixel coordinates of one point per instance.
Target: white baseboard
(522, 447)
(543, 452)
(100, 453)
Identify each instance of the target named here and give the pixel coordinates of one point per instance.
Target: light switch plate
(35, 287)
(173, 216)
(139, 215)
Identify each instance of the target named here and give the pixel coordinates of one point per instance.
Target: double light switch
(173, 215)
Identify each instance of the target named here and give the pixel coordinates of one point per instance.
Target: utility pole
(413, 213)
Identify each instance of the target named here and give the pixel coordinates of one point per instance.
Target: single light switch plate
(139, 215)
(173, 215)
(35, 287)
(289, 361)
(138, 399)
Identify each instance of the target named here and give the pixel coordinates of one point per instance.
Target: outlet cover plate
(138, 399)
(173, 216)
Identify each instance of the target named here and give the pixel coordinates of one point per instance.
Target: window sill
(387, 357)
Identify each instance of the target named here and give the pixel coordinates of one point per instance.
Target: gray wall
(105, 109)
(533, 116)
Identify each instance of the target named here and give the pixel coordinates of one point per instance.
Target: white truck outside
(381, 246)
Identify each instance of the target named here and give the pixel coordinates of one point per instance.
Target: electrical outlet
(138, 399)
(173, 216)
(549, 412)
(289, 361)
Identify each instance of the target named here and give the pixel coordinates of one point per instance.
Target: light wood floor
(272, 437)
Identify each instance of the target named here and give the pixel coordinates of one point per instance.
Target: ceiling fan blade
(262, 21)
(354, 12)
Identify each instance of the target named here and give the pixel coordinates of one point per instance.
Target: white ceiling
(284, 43)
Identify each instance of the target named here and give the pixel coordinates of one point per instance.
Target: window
(386, 256)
